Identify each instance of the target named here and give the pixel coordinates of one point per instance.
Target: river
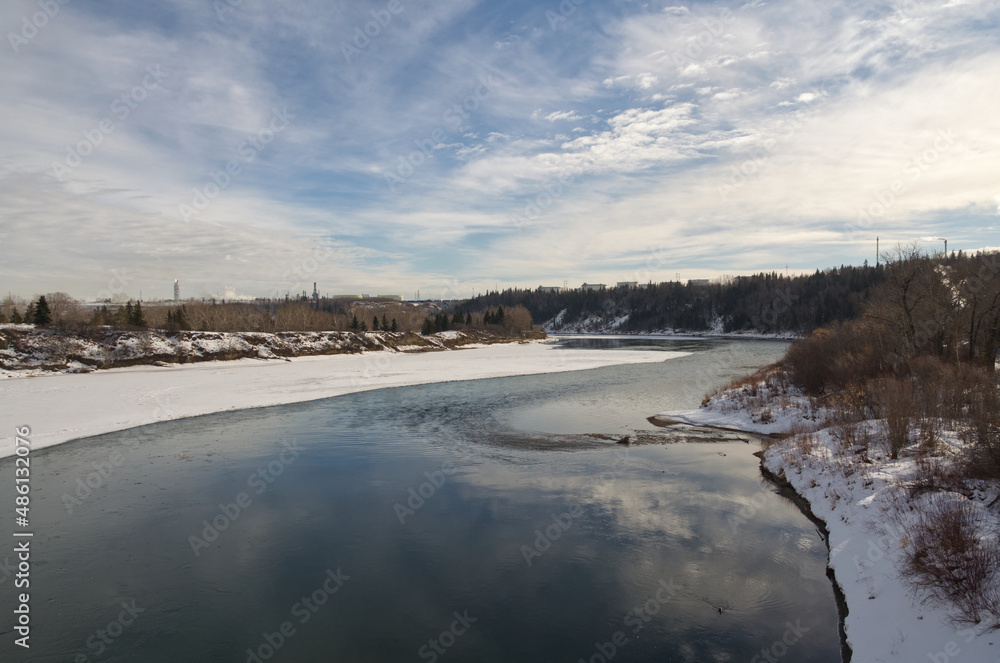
(492, 520)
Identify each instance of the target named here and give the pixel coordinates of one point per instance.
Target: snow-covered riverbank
(28, 350)
(62, 407)
(871, 506)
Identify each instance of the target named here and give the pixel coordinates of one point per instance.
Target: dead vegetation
(948, 561)
(910, 398)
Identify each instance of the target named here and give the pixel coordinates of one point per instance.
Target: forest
(763, 303)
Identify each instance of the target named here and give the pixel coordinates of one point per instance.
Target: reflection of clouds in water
(662, 513)
(640, 508)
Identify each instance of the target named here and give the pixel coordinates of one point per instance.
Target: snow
(28, 351)
(869, 515)
(598, 324)
(65, 406)
(868, 529)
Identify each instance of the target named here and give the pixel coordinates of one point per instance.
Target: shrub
(897, 408)
(951, 563)
(849, 353)
(982, 428)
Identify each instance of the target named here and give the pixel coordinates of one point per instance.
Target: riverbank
(873, 508)
(29, 350)
(61, 407)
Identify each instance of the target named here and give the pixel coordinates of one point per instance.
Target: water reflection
(394, 494)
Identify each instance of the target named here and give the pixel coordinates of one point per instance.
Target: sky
(253, 147)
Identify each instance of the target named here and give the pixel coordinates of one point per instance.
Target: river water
(470, 521)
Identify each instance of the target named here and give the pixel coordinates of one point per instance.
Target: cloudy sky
(256, 146)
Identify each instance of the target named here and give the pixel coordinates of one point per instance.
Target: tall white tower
(177, 291)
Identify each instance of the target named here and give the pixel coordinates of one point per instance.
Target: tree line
(60, 311)
(765, 302)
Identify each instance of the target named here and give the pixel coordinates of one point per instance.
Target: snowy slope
(866, 501)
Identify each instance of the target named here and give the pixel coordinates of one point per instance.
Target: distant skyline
(253, 147)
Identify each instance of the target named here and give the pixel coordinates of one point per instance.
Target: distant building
(395, 298)
(546, 288)
(627, 284)
(346, 297)
(698, 281)
(177, 291)
(593, 286)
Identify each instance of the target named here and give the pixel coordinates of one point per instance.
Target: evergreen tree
(428, 327)
(129, 315)
(354, 322)
(499, 315)
(457, 318)
(394, 326)
(468, 318)
(375, 326)
(138, 319)
(3, 318)
(99, 316)
(364, 326)
(29, 315)
(42, 314)
(170, 318)
(385, 323)
(15, 317)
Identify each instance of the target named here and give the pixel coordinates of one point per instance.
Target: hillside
(26, 349)
(888, 427)
(769, 303)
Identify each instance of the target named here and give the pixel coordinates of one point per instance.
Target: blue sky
(251, 147)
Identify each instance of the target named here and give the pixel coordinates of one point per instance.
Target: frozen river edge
(63, 407)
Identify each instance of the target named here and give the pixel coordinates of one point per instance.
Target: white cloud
(571, 116)
(645, 81)
(830, 104)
